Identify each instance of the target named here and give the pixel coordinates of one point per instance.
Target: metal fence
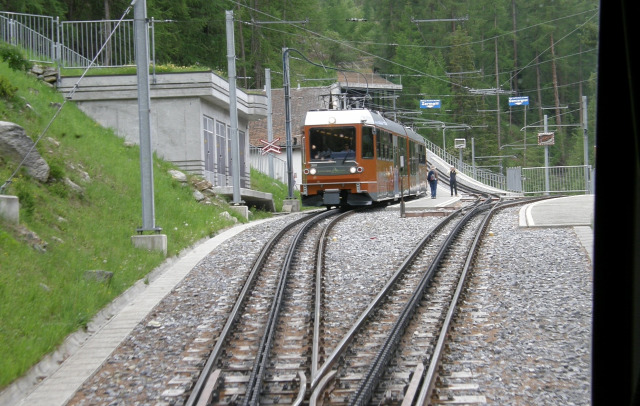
(30, 32)
(489, 178)
(550, 180)
(72, 44)
(260, 162)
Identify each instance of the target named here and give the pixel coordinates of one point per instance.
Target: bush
(14, 58)
(7, 90)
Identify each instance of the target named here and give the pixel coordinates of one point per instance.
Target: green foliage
(64, 232)
(14, 57)
(7, 90)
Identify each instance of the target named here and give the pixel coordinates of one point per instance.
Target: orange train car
(358, 158)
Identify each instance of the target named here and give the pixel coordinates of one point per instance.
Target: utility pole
(144, 103)
(156, 241)
(287, 112)
(233, 109)
(585, 137)
(290, 203)
(267, 75)
(546, 159)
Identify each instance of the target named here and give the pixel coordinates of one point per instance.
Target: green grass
(44, 295)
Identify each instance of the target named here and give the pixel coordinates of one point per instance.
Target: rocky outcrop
(16, 147)
(47, 74)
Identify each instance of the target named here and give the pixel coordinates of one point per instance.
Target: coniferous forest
(472, 55)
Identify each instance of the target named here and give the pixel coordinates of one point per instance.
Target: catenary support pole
(144, 107)
(233, 109)
(287, 110)
(267, 75)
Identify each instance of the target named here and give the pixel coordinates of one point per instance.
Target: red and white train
(358, 157)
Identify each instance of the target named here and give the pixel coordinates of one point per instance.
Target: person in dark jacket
(453, 183)
(432, 177)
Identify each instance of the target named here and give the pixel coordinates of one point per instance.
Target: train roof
(359, 116)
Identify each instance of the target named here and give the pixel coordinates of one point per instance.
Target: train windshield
(332, 144)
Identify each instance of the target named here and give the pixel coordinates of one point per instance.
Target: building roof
(371, 81)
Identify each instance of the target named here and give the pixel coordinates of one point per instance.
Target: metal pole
(546, 160)
(524, 142)
(233, 111)
(146, 156)
(287, 110)
(585, 137)
(267, 74)
(443, 140)
(473, 156)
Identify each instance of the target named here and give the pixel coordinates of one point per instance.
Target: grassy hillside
(64, 232)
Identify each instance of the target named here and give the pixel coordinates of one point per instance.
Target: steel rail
(429, 378)
(321, 377)
(367, 385)
(204, 381)
(320, 251)
(260, 364)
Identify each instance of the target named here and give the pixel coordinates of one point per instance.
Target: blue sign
(429, 104)
(519, 101)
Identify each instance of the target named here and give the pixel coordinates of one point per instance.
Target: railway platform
(56, 379)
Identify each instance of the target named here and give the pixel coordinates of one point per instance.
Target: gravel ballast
(536, 284)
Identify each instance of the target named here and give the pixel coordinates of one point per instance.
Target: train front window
(332, 144)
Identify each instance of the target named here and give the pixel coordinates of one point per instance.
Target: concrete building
(190, 120)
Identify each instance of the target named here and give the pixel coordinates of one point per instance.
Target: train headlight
(312, 171)
(352, 169)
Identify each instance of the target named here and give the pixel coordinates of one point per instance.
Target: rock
(177, 175)
(15, 145)
(228, 216)
(98, 275)
(202, 184)
(73, 186)
(198, 195)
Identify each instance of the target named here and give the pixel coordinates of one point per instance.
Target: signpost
(546, 139)
(430, 104)
(519, 101)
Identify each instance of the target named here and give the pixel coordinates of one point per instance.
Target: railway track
(281, 344)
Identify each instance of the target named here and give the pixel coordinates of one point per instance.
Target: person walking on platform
(432, 177)
(453, 183)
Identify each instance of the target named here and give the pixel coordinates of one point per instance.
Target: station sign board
(430, 104)
(519, 101)
(546, 139)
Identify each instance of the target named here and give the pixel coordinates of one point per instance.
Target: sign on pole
(429, 104)
(519, 101)
(460, 143)
(270, 146)
(546, 139)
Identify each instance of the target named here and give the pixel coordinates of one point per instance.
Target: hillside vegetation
(64, 232)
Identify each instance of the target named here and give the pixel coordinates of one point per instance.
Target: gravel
(536, 286)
